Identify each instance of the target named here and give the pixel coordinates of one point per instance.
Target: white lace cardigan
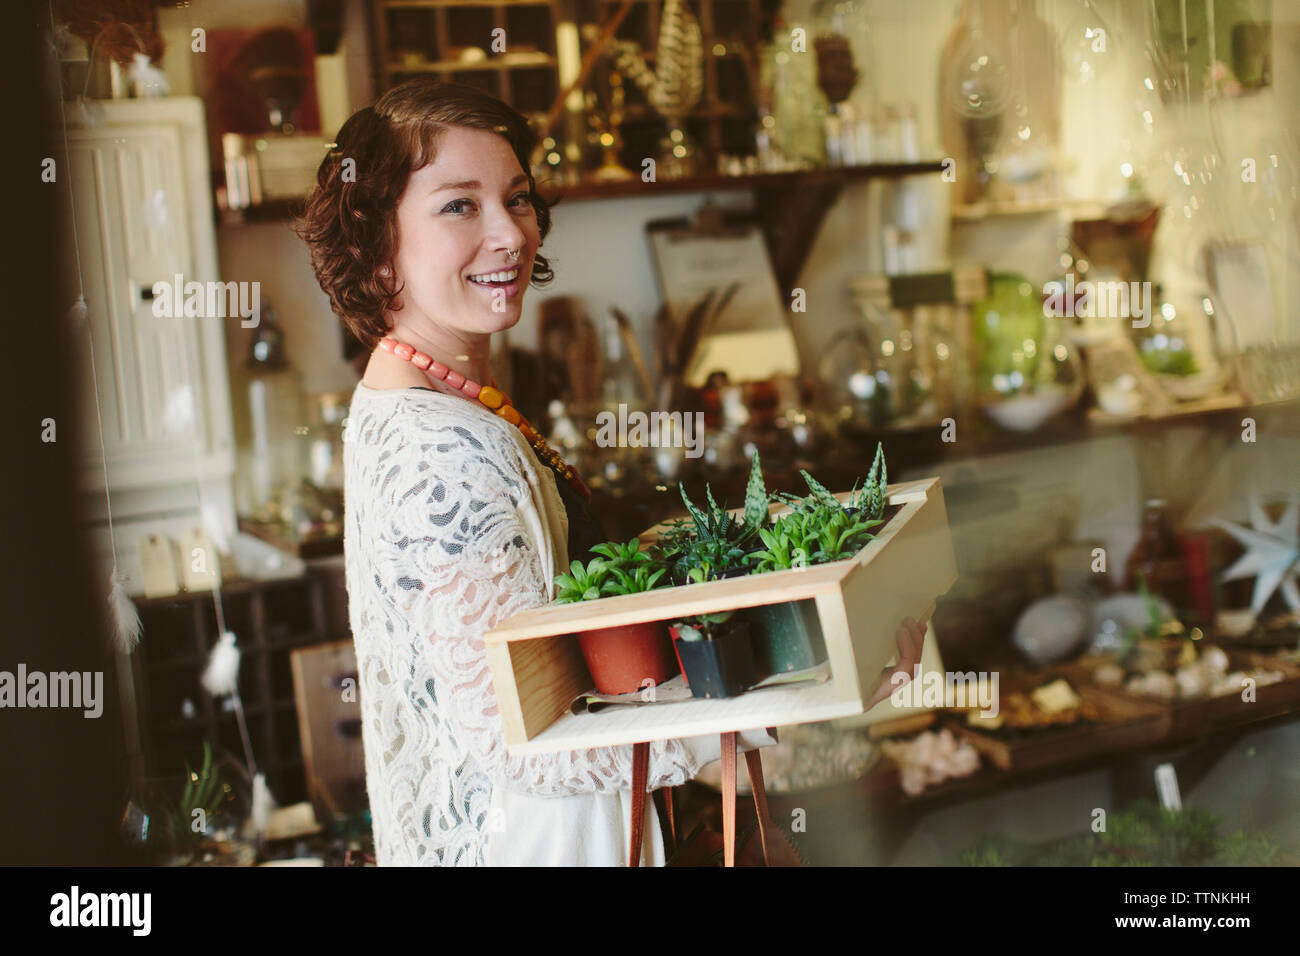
(453, 525)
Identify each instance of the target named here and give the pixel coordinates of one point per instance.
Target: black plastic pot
(722, 667)
(786, 637)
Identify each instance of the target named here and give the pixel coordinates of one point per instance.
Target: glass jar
(1180, 346)
(1026, 370)
(270, 417)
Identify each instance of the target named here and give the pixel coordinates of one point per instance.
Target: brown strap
(667, 793)
(754, 762)
(640, 770)
(729, 799)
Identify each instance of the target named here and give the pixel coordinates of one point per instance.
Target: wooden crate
(538, 668)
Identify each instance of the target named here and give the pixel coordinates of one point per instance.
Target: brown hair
(351, 226)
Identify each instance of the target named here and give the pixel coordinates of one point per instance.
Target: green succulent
(705, 560)
(868, 500)
(701, 626)
(635, 579)
(785, 546)
(204, 792)
(623, 554)
(838, 533)
(581, 583)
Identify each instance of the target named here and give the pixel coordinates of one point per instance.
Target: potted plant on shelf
(818, 529)
(713, 542)
(715, 652)
(621, 659)
(786, 637)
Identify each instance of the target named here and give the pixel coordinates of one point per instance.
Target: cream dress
(451, 526)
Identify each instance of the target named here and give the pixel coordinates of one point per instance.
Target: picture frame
(747, 334)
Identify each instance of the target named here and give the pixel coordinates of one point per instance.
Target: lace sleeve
(465, 542)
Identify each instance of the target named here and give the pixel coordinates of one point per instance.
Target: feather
(126, 619)
(263, 804)
(76, 316)
(221, 676)
(92, 114)
(178, 413)
(149, 80)
(215, 527)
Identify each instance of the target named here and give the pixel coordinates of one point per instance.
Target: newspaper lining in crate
(538, 670)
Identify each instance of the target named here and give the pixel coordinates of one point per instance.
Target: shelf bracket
(791, 215)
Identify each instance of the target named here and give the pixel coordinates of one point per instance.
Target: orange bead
(528, 433)
(509, 414)
(491, 397)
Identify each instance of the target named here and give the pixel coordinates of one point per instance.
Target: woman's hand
(911, 640)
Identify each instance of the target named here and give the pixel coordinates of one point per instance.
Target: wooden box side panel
(535, 682)
(902, 580)
(838, 638)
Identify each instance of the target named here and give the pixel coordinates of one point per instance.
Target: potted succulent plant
(818, 529)
(621, 659)
(786, 637)
(715, 653)
(713, 543)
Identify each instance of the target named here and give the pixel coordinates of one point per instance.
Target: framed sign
(747, 334)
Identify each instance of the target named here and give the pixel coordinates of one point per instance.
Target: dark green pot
(787, 637)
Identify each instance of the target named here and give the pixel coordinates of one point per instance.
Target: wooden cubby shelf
(537, 668)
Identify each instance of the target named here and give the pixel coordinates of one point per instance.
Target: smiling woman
(425, 230)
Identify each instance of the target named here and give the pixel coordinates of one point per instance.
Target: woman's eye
(456, 205)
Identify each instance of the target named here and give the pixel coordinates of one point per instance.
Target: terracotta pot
(621, 658)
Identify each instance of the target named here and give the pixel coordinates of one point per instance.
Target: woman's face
(457, 218)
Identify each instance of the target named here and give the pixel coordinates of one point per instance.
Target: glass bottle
(271, 418)
(1158, 558)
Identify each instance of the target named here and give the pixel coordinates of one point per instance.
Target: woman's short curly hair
(350, 219)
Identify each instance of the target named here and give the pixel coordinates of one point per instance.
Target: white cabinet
(143, 214)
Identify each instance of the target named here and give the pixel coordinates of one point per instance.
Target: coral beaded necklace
(493, 399)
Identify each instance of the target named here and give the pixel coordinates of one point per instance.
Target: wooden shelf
(510, 61)
(273, 210)
(1079, 208)
(434, 4)
(772, 182)
(689, 718)
(1195, 409)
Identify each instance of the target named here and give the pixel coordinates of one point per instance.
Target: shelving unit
(269, 618)
(419, 37)
(977, 212)
(415, 37)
